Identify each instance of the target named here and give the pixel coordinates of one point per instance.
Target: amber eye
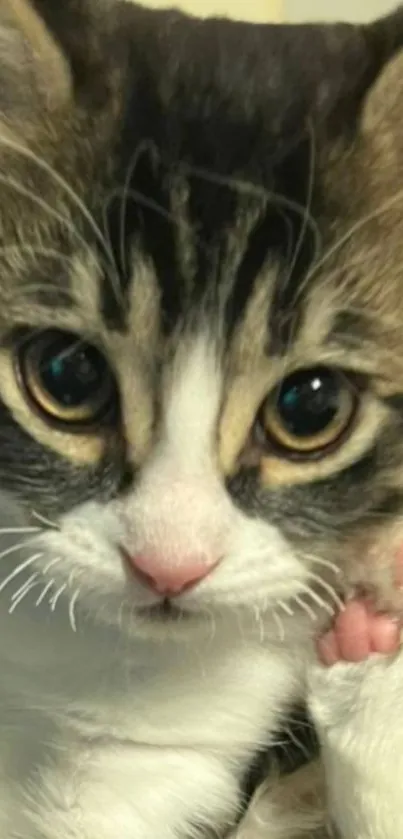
(310, 412)
(66, 378)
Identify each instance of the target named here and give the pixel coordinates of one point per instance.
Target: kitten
(200, 381)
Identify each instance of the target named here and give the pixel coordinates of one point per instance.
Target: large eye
(66, 378)
(310, 412)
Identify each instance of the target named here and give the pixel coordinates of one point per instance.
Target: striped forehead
(206, 240)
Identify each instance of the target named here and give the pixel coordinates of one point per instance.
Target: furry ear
(362, 54)
(383, 110)
(35, 76)
(384, 40)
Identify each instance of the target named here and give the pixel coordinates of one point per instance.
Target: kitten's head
(201, 317)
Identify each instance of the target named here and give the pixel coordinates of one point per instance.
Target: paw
(358, 632)
(352, 657)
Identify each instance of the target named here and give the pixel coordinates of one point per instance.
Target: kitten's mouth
(165, 612)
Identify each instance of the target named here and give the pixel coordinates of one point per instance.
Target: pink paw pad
(357, 632)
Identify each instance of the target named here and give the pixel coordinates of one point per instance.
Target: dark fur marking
(350, 329)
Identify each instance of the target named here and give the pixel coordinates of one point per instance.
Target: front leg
(356, 701)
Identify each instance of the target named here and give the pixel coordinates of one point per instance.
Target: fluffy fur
(213, 206)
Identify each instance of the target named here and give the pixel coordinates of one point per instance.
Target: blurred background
(286, 10)
(355, 10)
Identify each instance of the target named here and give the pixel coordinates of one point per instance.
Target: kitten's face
(201, 359)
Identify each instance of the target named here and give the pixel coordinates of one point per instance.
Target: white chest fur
(104, 738)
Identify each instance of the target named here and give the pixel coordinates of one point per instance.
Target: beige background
(357, 10)
(291, 10)
(254, 10)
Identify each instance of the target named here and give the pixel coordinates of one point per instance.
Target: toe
(352, 627)
(384, 634)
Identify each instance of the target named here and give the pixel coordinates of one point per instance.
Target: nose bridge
(181, 505)
(179, 520)
(191, 404)
(181, 512)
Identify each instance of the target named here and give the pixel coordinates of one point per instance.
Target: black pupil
(72, 372)
(309, 401)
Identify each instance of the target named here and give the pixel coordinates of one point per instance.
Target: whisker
(355, 228)
(44, 520)
(55, 599)
(150, 204)
(259, 621)
(328, 588)
(280, 626)
(324, 563)
(307, 212)
(51, 564)
(11, 531)
(61, 182)
(20, 568)
(141, 148)
(72, 607)
(64, 221)
(44, 592)
(323, 604)
(286, 608)
(27, 584)
(17, 547)
(306, 608)
(248, 188)
(298, 743)
(22, 597)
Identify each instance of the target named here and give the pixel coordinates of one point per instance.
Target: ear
(35, 78)
(363, 55)
(88, 33)
(383, 111)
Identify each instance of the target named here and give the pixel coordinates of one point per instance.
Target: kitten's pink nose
(170, 579)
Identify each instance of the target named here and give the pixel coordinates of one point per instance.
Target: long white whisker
(11, 531)
(55, 599)
(16, 547)
(300, 746)
(286, 608)
(73, 576)
(19, 599)
(259, 621)
(323, 604)
(328, 588)
(72, 606)
(20, 568)
(44, 520)
(51, 564)
(280, 626)
(325, 563)
(44, 592)
(305, 606)
(27, 584)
